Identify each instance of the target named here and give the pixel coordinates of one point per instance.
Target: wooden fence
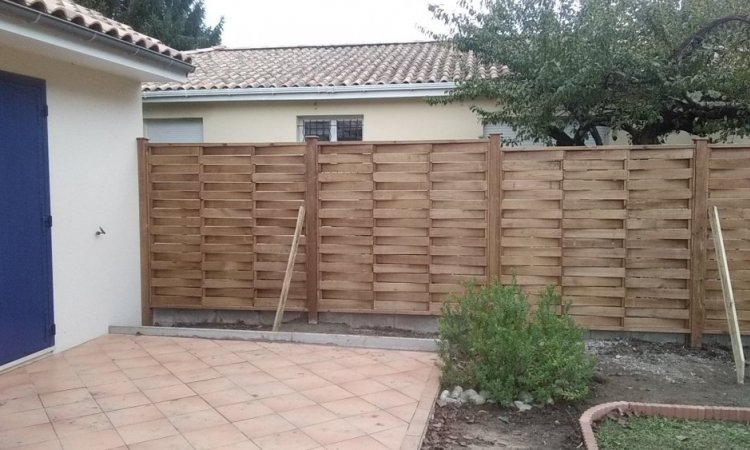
(395, 227)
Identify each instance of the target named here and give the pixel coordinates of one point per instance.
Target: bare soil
(627, 370)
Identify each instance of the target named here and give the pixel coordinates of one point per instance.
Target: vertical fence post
(311, 226)
(147, 314)
(494, 202)
(698, 237)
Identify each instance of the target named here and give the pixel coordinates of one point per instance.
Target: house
(339, 92)
(70, 113)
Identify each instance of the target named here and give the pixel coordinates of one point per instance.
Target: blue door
(26, 320)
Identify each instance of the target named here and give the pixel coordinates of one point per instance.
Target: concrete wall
(401, 119)
(94, 119)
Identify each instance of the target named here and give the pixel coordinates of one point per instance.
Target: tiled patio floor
(144, 392)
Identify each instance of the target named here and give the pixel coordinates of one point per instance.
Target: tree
(647, 67)
(177, 23)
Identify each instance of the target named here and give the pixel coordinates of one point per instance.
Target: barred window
(330, 128)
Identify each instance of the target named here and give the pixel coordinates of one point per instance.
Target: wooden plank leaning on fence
(726, 287)
(289, 269)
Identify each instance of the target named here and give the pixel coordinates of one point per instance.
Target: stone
(444, 395)
(525, 397)
(456, 392)
(522, 406)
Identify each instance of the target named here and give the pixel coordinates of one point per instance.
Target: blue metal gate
(26, 319)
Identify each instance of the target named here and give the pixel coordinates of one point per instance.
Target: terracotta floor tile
(96, 366)
(198, 375)
(213, 385)
(185, 366)
(96, 379)
(355, 361)
(197, 420)
(46, 382)
(327, 394)
(375, 369)
(133, 363)
(309, 415)
(391, 438)
(80, 425)
(375, 421)
(113, 389)
(387, 399)
(135, 373)
(349, 407)
(122, 401)
(236, 369)
(331, 432)
(98, 440)
(221, 359)
(136, 414)
(14, 420)
(322, 367)
(360, 443)
(20, 404)
(413, 391)
(288, 372)
(14, 378)
(267, 390)
(271, 362)
(177, 442)
(251, 379)
(245, 410)
(158, 381)
(162, 349)
(307, 383)
(343, 376)
(293, 439)
(244, 445)
(287, 402)
(146, 431)
(227, 397)
(214, 437)
(27, 436)
(263, 426)
(73, 410)
(47, 445)
(364, 387)
(65, 397)
(182, 406)
(164, 394)
(403, 412)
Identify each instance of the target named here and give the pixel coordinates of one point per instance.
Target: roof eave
(379, 91)
(43, 29)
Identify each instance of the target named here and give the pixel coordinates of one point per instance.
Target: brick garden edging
(593, 414)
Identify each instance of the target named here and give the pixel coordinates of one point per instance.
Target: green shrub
(489, 341)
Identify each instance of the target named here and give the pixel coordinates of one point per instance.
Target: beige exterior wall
(276, 121)
(94, 119)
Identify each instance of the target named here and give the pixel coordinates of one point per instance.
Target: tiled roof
(334, 65)
(93, 20)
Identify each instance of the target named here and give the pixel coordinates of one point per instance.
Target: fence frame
(495, 156)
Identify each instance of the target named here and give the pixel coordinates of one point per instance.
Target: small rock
(445, 394)
(522, 406)
(525, 397)
(504, 419)
(456, 392)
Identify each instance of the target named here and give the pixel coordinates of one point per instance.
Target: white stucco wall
(276, 121)
(94, 119)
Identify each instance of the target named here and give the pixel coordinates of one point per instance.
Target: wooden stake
(289, 269)
(726, 288)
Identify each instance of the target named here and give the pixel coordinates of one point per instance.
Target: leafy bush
(489, 341)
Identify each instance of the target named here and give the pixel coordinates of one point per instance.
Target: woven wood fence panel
(396, 227)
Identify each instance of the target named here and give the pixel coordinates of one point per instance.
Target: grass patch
(658, 433)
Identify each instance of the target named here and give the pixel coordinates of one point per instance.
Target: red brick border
(596, 413)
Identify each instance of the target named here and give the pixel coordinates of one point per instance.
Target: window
(508, 133)
(330, 128)
(177, 131)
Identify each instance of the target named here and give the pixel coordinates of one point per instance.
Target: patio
(146, 392)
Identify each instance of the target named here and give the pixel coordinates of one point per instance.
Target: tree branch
(696, 38)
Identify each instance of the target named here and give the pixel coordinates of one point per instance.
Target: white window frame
(333, 132)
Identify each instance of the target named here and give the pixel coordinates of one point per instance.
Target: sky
(276, 23)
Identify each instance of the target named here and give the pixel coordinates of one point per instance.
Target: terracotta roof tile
(335, 65)
(93, 20)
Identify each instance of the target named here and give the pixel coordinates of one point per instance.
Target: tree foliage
(647, 67)
(177, 23)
